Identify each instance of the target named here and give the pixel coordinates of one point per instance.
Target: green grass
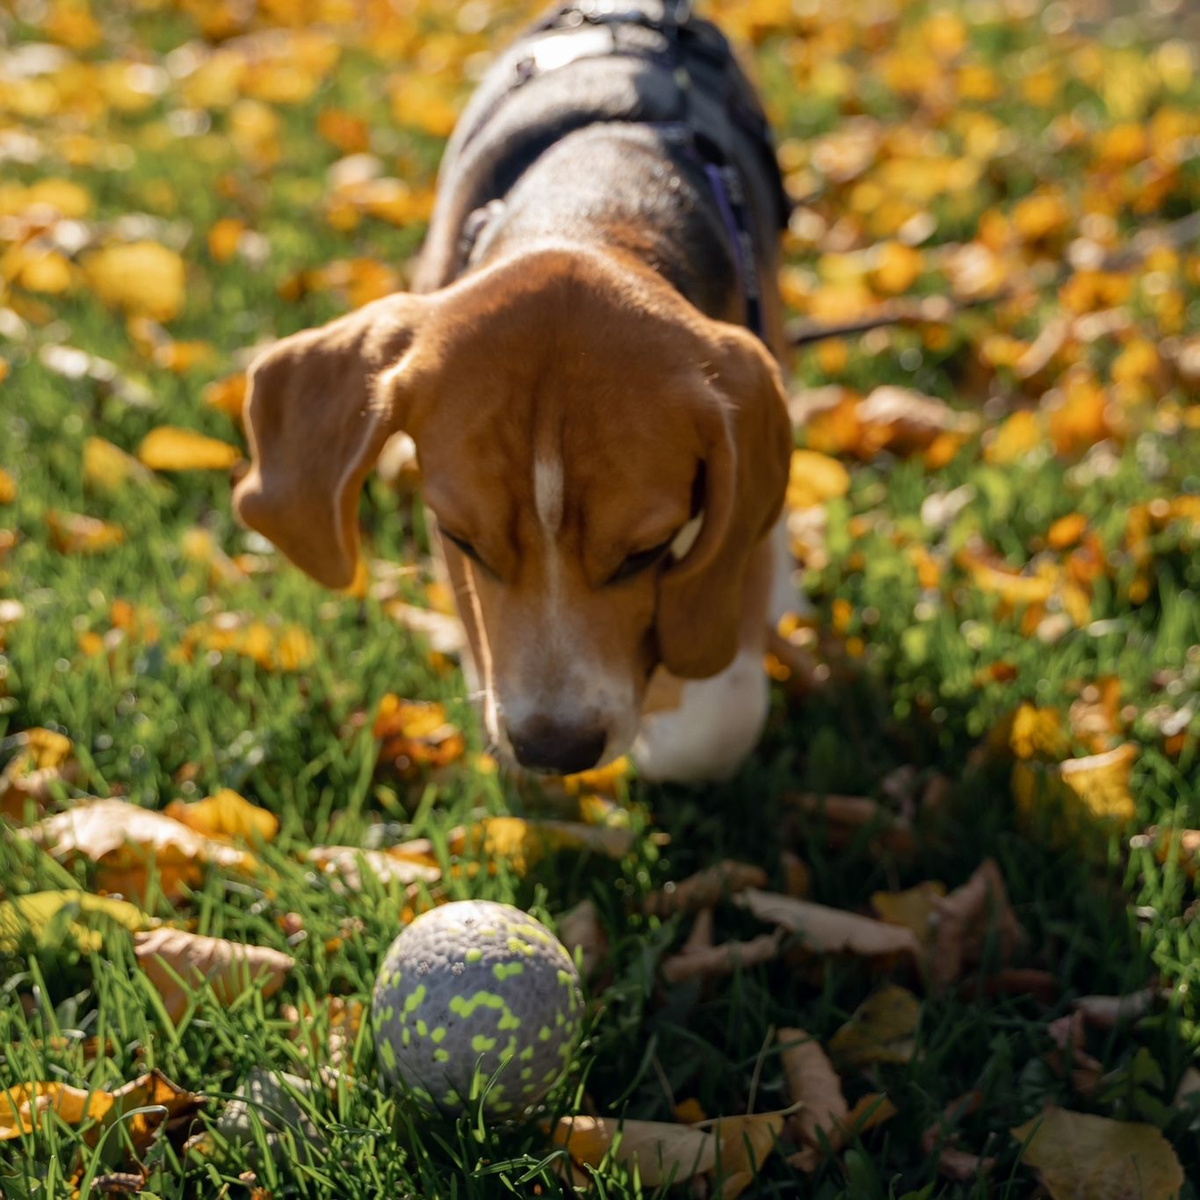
(151, 727)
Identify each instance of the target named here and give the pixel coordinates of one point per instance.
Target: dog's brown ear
(320, 406)
(747, 435)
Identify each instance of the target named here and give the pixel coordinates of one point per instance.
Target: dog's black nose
(543, 744)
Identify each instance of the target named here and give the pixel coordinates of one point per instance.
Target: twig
(940, 310)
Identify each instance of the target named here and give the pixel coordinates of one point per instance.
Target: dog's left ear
(744, 426)
(320, 406)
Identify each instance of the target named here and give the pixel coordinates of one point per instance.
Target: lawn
(983, 747)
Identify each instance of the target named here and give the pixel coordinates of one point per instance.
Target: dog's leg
(702, 730)
(713, 726)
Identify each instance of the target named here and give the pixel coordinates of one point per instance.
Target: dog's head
(601, 458)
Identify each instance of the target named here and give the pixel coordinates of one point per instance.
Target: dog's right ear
(320, 406)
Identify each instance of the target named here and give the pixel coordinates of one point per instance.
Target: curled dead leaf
(660, 1152)
(706, 888)
(179, 963)
(814, 1084)
(826, 930)
(711, 962)
(580, 930)
(968, 918)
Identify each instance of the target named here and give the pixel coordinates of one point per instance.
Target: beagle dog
(588, 367)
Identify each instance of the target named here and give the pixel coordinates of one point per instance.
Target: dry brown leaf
(1070, 1053)
(225, 815)
(178, 963)
(847, 816)
(660, 1152)
(883, 1029)
(388, 866)
(1081, 1157)
(580, 930)
(1106, 1012)
(705, 888)
(967, 918)
(129, 844)
(714, 961)
(1188, 1091)
(939, 1139)
(831, 930)
(813, 1083)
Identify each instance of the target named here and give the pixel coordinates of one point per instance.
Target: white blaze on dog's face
(601, 458)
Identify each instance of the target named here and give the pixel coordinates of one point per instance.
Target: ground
(1002, 559)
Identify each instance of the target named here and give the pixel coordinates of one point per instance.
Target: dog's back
(613, 111)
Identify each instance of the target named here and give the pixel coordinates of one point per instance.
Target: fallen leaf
(914, 909)
(660, 1152)
(883, 1029)
(170, 448)
(8, 487)
(416, 734)
(1077, 797)
(1082, 1157)
(815, 478)
(723, 959)
(1106, 1012)
(830, 930)
(521, 844)
(706, 888)
(51, 917)
(848, 816)
(968, 919)
(108, 468)
(746, 1144)
(814, 1084)
(129, 844)
(225, 816)
(444, 633)
(76, 533)
(23, 1105)
(143, 278)
(43, 760)
(939, 1138)
(178, 963)
(345, 863)
(1188, 1091)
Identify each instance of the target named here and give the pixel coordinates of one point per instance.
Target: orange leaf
(170, 448)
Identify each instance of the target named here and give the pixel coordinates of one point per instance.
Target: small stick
(940, 310)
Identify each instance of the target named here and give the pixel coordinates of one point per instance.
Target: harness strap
(590, 29)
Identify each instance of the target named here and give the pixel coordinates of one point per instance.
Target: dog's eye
(639, 561)
(465, 547)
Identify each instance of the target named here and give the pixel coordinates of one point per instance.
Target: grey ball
(471, 989)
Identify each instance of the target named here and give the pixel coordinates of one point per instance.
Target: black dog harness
(713, 107)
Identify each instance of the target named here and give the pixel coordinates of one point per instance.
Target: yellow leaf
(423, 102)
(22, 1106)
(1082, 1157)
(169, 448)
(897, 269)
(227, 395)
(225, 816)
(75, 533)
(224, 237)
(8, 487)
(107, 467)
(660, 1152)
(882, 1029)
(1017, 437)
(914, 908)
(143, 278)
(1078, 795)
(1066, 531)
(814, 478)
(178, 963)
(46, 916)
(129, 844)
(1038, 733)
(746, 1144)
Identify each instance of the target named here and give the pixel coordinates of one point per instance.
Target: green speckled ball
(469, 989)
